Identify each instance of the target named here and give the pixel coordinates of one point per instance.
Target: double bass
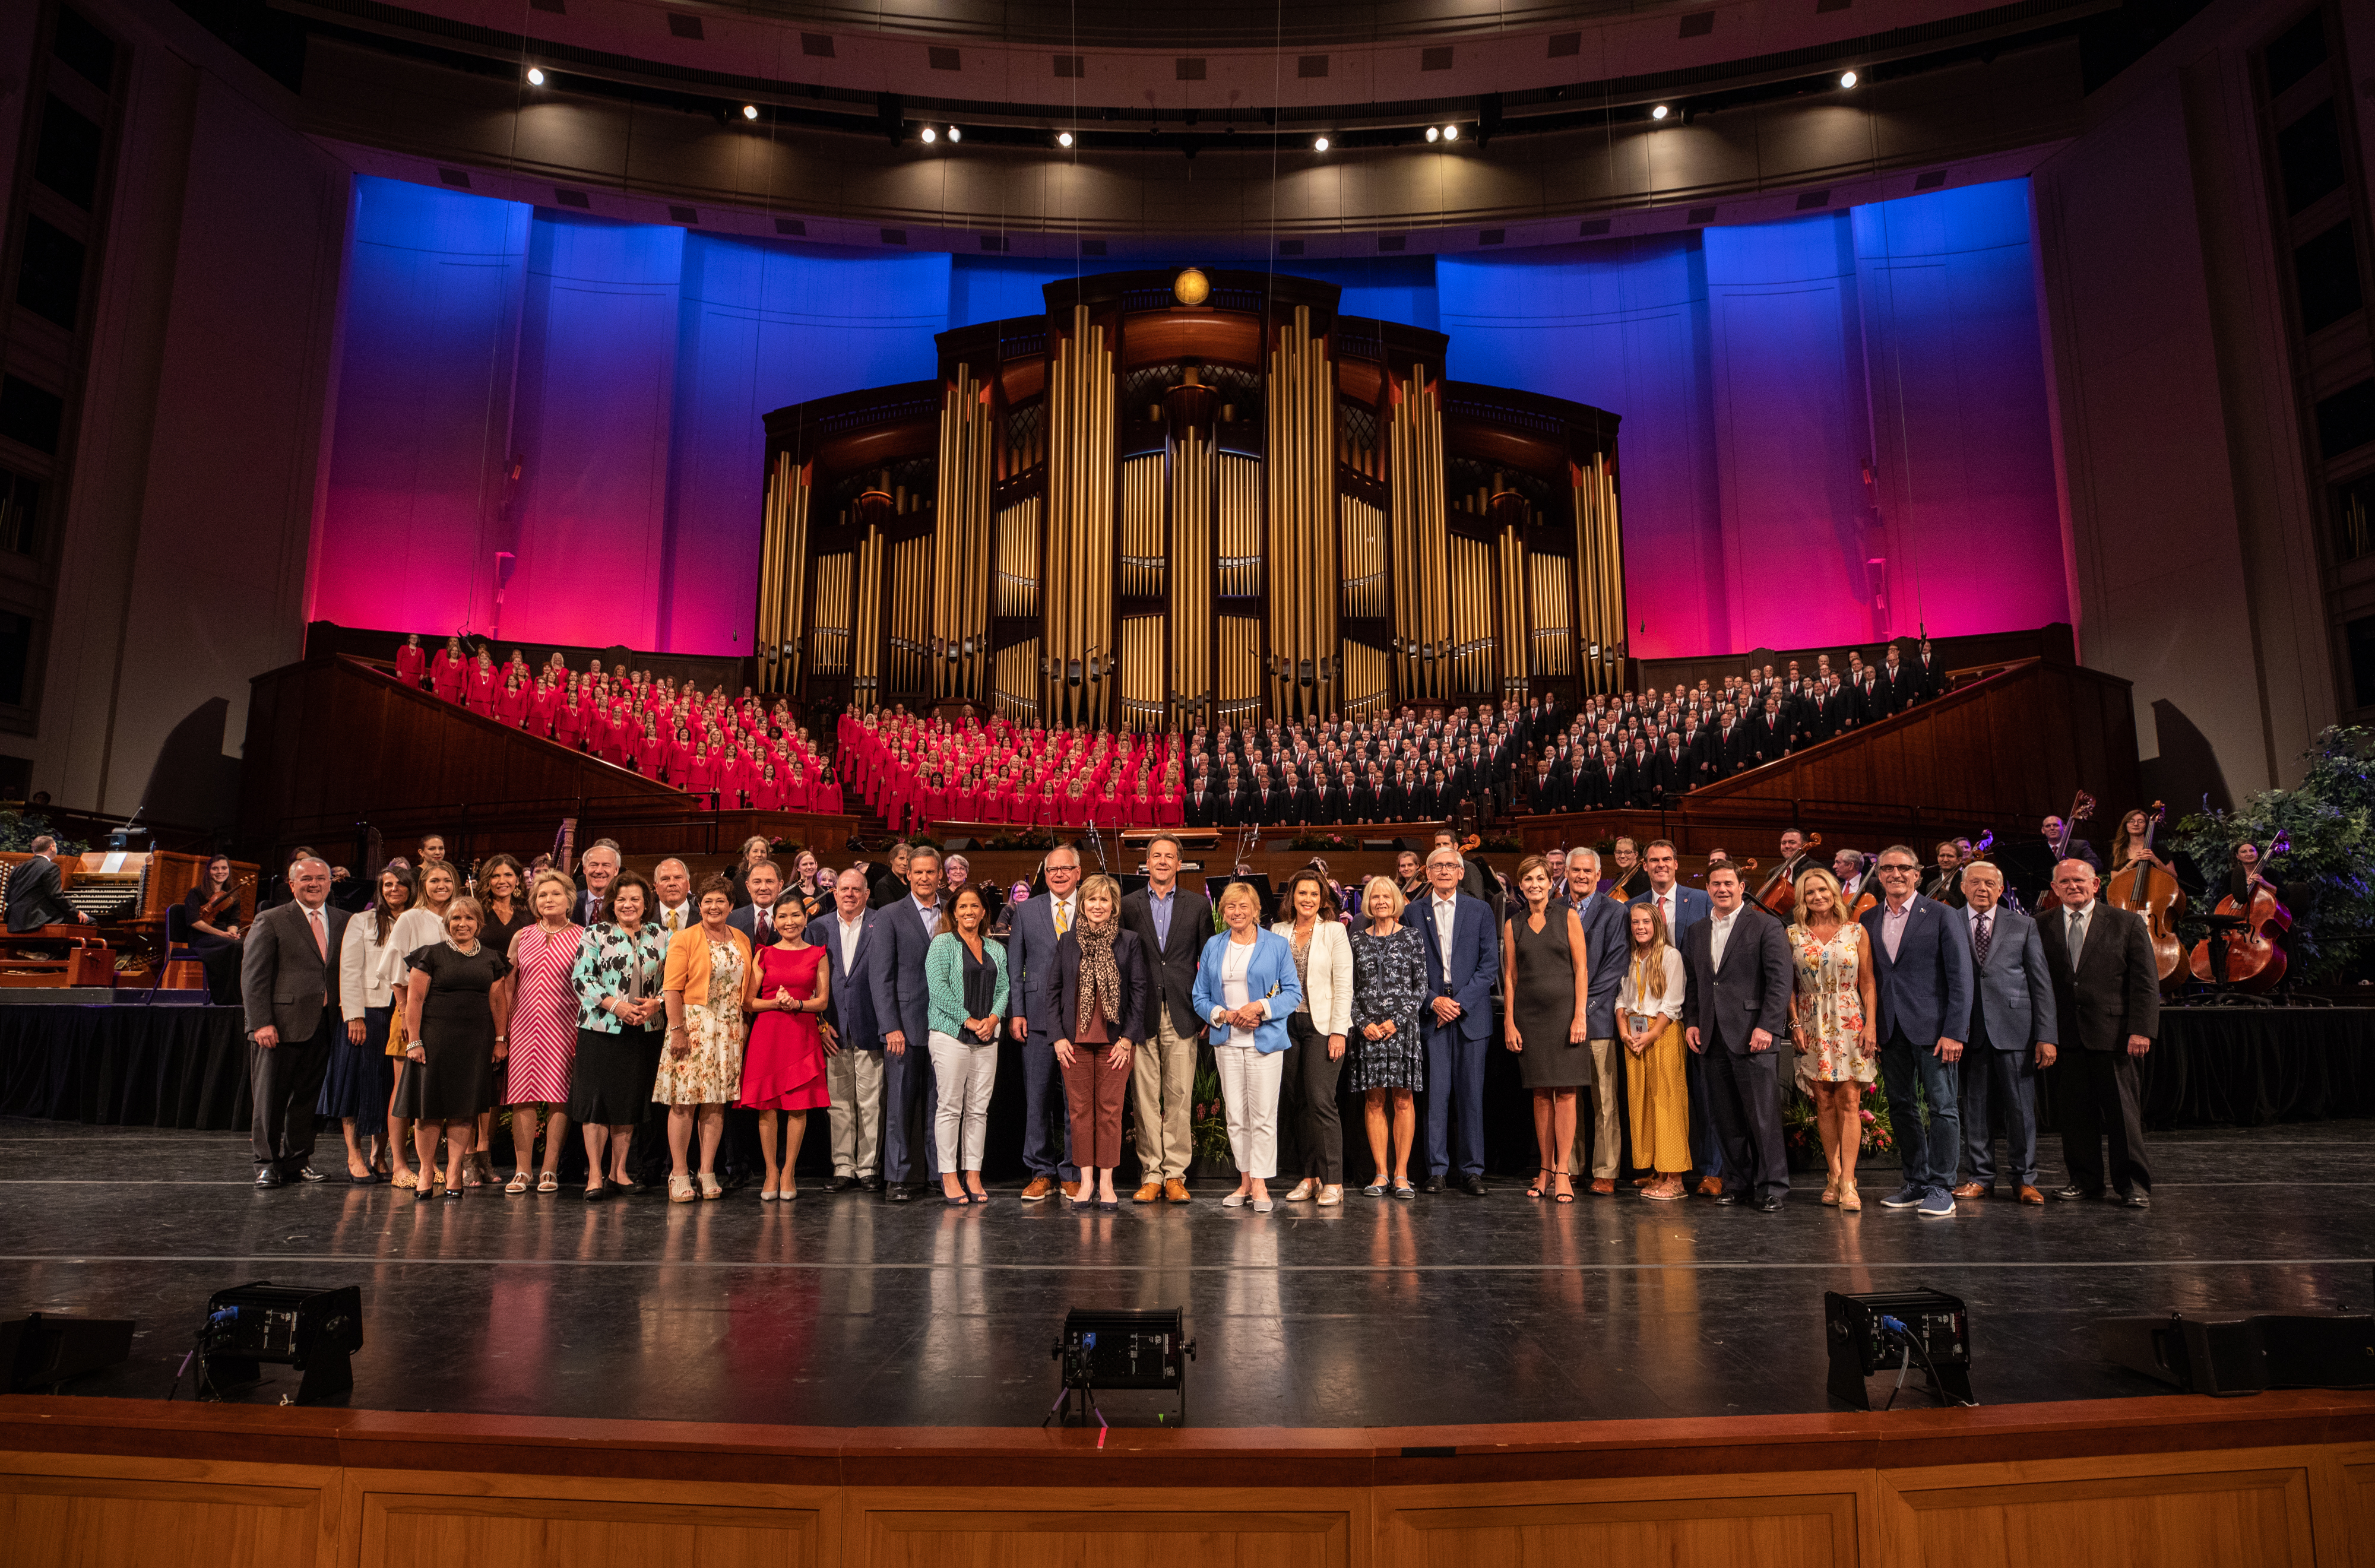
(2255, 956)
(2082, 806)
(1778, 894)
(2150, 888)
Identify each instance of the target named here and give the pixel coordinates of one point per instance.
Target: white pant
(963, 1075)
(1249, 1083)
(853, 1079)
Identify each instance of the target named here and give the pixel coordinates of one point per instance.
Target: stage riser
(725, 1497)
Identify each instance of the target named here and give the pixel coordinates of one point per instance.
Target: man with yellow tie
(292, 1016)
(1039, 924)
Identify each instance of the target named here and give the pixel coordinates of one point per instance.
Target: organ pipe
(911, 614)
(1077, 624)
(1015, 686)
(1241, 525)
(783, 568)
(1141, 527)
(1599, 571)
(1515, 638)
(1192, 589)
(828, 631)
(1304, 572)
(1141, 673)
(958, 634)
(1018, 558)
(866, 633)
(1553, 592)
(1365, 558)
(1417, 537)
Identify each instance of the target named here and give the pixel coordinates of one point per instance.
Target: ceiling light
(1451, 133)
(1320, 144)
(1659, 113)
(534, 76)
(749, 112)
(1432, 132)
(1063, 139)
(1846, 78)
(955, 134)
(930, 136)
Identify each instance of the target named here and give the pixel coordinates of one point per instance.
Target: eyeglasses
(1899, 868)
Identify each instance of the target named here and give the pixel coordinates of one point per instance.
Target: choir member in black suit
(1895, 684)
(1204, 807)
(1671, 775)
(1768, 736)
(1929, 673)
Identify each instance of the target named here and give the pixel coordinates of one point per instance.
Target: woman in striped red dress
(541, 1028)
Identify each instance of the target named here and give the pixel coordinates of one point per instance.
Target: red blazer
(512, 705)
(482, 690)
(407, 665)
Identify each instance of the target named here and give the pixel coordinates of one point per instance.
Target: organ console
(126, 894)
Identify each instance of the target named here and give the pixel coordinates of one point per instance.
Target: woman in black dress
(619, 966)
(501, 893)
(213, 910)
(449, 1017)
(1542, 977)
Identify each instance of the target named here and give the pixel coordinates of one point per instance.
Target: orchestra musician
(1944, 883)
(2130, 844)
(2078, 849)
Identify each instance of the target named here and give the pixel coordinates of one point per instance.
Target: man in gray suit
(1039, 924)
(1605, 940)
(289, 969)
(2011, 1039)
(904, 929)
(853, 1045)
(1736, 977)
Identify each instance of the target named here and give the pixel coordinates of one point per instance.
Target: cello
(2149, 889)
(2255, 957)
(2082, 806)
(1778, 895)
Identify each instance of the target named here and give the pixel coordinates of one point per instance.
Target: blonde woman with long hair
(1833, 1023)
(1649, 1021)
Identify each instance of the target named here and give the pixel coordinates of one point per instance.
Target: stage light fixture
(1432, 134)
(1451, 133)
(1848, 78)
(955, 134)
(1659, 113)
(930, 136)
(749, 112)
(1320, 144)
(1063, 139)
(534, 76)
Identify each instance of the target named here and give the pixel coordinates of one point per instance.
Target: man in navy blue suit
(1922, 965)
(1039, 924)
(1463, 955)
(853, 1066)
(903, 930)
(1683, 908)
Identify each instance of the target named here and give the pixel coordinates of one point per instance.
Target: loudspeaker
(40, 1352)
(2245, 1355)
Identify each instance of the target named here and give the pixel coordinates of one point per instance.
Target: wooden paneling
(217, 1517)
(1816, 1531)
(514, 1526)
(2165, 1517)
(1188, 1537)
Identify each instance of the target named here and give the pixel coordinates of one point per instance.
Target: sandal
(1535, 1189)
(1566, 1196)
(709, 1188)
(1831, 1193)
(683, 1194)
(516, 1185)
(549, 1181)
(404, 1180)
(1849, 1202)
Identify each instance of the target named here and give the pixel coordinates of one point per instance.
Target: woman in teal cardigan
(964, 991)
(1247, 989)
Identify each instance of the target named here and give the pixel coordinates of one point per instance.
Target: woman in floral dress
(701, 1068)
(1833, 1014)
(1388, 1053)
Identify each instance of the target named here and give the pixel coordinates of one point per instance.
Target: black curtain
(162, 1066)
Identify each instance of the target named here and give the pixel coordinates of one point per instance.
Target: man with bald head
(2011, 1038)
(672, 895)
(288, 969)
(2107, 1000)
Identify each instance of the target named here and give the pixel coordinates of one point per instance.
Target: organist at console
(70, 917)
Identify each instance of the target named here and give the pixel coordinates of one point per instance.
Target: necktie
(1063, 916)
(1980, 939)
(2078, 939)
(765, 929)
(673, 917)
(321, 935)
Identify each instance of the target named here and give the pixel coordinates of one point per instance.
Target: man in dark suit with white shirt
(1463, 957)
(2011, 1039)
(1737, 974)
(2107, 999)
(288, 972)
(600, 865)
(903, 930)
(34, 900)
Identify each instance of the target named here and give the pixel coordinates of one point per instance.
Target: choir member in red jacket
(512, 707)
(449, 671)
(410, 661)
(483, 687)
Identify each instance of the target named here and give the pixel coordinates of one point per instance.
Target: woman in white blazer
(1323, 964)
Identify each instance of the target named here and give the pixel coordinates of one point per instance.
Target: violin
(224, 903)
(2082, 806)
(2255, 957)
(1779, 896)
(2149, 889)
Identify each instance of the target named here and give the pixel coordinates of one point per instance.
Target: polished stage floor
(847, 1312)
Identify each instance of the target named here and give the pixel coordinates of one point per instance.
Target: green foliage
(1208, 1118)
(2330, 818)
(1805, 1139)
(19, 828)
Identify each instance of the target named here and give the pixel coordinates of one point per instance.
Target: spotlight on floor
(1451, 133)
(534, 76)
(1063, 139)
(930, 136)
(956, 133)
(316, 1331)
(1122, 1348)
(1432, 135)
(1881, 1332)
(1848, 78)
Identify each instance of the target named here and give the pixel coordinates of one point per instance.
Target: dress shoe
(899, 1191)
(307, 1173)
(1603, 1186)
(841, 1183)
(1433, 1184)
(870, 1183)
(1174, 1190)
(2133, 1199)
(1768, 1206)
(1972, 1189)
(1072, 1190)
(1152, 1191)
(1710, 1186)
(266, 1176)
(2031, 1194)
(1472, 1186)
(1040, 1187)
(1727, 1198)
(2074, 1193)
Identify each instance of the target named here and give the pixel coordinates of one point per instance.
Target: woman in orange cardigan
(701, 1067)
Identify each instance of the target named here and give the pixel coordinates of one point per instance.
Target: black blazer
(2116, 989)
(1171, 970)
(1129, 963)
(1752, 990)
(34, 898)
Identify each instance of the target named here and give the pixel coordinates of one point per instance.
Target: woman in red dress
(542, 702)
(650, 751)
(482, 687)
(410, 661)
(767, 795)
(449, 670)
(512, 706)
(568, 718)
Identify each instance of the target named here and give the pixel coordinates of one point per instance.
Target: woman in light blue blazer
(1246, 989)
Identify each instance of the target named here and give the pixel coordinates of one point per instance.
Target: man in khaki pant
(1604, 944)
(1172, 924)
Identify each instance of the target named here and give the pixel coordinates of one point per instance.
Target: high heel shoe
(1566, 1196)
(1849, 1202)
(681, 1189)
(709, 1188)
(1831, 1193)
(1534, 1189)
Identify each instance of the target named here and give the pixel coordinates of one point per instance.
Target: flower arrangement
(1208, 1120)
(1804, 1139)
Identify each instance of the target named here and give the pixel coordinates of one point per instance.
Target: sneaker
(1905, 1197)
(1935, 1206)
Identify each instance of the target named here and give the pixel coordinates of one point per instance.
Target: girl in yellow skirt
(1649, 1015)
